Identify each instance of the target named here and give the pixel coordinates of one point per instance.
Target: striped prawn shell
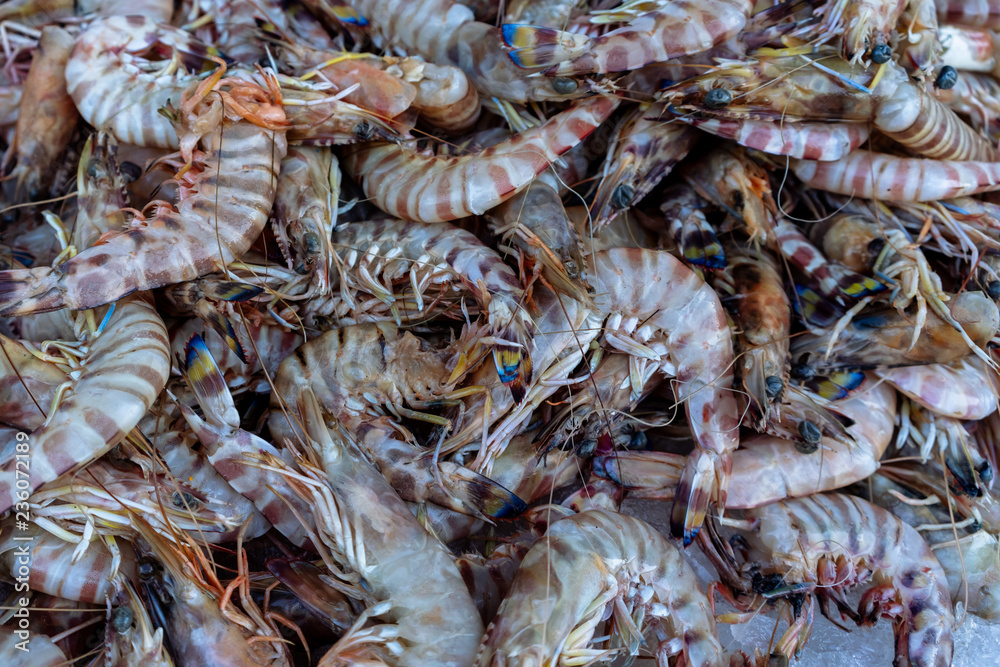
(677, 28)
(446, 33)
(978, 13)
(835, 281)
(53, 569)
(420, 27)
(889, 178)
(798, 533)
(266, 489)
(222, 214)
(675, 303)
(974, 95)
(824, 142)
(102, 73)
(429, 188)
(465, 257)
(581, 559)
(940, 134)
(124, 372)
(447, 98)
(963, 389)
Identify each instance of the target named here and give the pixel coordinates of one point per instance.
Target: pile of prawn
(346, 332)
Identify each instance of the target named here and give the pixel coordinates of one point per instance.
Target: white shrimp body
(797, 536)
(368, 528)
(889, 178)
(124, 371)
(681, 326)
(963, 389)
(580, 567)
(428, 188)
(823, 142)
(767, 468)
(102, 73)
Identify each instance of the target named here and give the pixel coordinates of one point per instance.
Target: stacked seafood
(337, 331)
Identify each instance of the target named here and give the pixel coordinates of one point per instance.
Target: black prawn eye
(121, 619)
(881, 54)
(564, 85)
(183, 499)
(946, 78)
(773, 386)
(811, 434)
(622, 195)
(718, 98)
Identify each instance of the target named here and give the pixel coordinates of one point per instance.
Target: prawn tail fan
(534, 46)
(704, 476)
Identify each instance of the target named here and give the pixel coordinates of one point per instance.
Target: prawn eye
(130, 171)
(802, 371)
(946, 78)
(312, 244)
(121, 620)
(811, 434)
(364, 131)
(881, 54)
(718, 98)
(586, 448)
(573, 271)
(622, 195)
(183, 499)
(564, 85)
(993, 290)
(773, 386)
(638, 441)
(147, 568)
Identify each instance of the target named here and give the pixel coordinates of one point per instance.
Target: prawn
(47, 116)
(305, 211)
(368, 529)
(766, 468)
(428, 188)
(822, 545)
(796, 88)
(445, 32)
(125, 368)
(226, 197)
(54, 566)
(823, 142)
(885, 337)
(866, 25)
(353, 370)
(182, 590)
(963, 389)
(644, 150)
(428, 253)
(655, 32)
(899, 179)
(970, 562)
(671, 319)
(591, 565)
(231, 450)
(107, 67)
